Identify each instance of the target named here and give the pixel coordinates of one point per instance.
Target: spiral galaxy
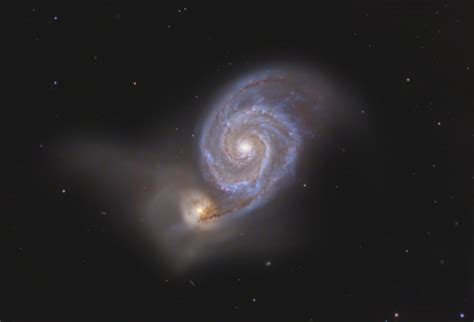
(251, 141)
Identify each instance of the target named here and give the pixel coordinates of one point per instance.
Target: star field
(377, 217)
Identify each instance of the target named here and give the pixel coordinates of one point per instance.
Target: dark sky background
(390, 235)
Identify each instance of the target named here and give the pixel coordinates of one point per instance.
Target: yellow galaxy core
(197, 207)
(245, 147)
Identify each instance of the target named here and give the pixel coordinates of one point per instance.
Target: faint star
(63, 191)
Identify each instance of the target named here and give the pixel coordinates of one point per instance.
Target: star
(456, 224)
